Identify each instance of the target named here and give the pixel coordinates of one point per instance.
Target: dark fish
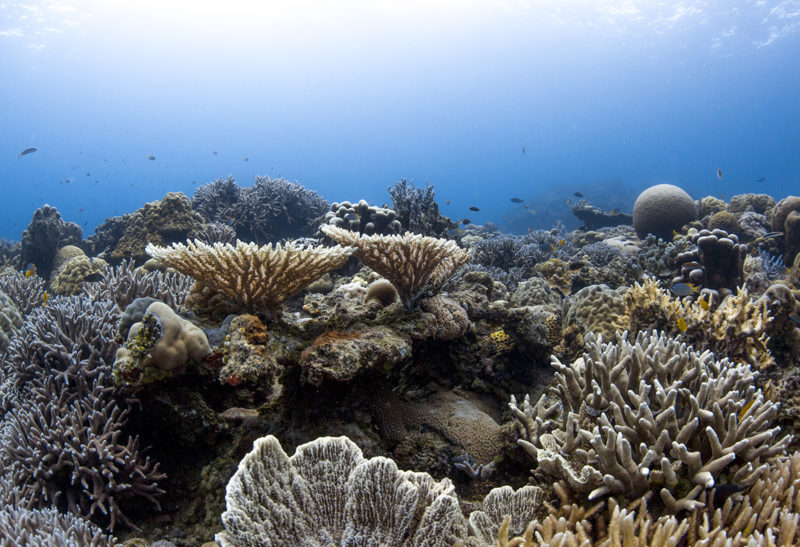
(569, 201)
(26, 152)
(762, 179)
(578, 195)
(245, 159)
(523, 150)
(614, 212)
(465, 221)
(213, 152)
(149, 157)
(88, 174)
(80, 210)
(719, 174)
(772, 234)
(473, 208)
(516, 200)
(447, 202)
(724, 490)
(795, 318)
(576, 266)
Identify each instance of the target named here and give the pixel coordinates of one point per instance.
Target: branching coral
(418, 211)
(652, 415)
(736, 328)
(258, 278)
(47, 528)
(408, 261)
(123, 284)
(327, 493)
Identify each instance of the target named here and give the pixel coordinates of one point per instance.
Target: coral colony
(258, 366)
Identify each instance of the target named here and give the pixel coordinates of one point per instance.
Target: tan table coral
(408, 261)
(259, 278)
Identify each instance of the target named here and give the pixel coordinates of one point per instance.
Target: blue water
(348, 97)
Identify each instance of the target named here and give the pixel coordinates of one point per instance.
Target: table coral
(408, 261)
(259, 278)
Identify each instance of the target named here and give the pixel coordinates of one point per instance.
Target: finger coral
(408, 261)
(256, 277)
(649, 415)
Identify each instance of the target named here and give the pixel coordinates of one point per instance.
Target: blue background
(348, 97)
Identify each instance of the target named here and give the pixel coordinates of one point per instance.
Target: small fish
(26, 152)
(532, 211)
(45, 298)
(517, 200)
(452, 232)
(674, 233)
(704, 304)
(80, 210)
(530, 229)
(578, 195)
(772, 234)
(614, 212)
(245, 159)
(795, 318)
(473, 208)
(213, 152)
(762, 179)
(684, 289)
(88, 174)
(447, 202)
(465, 221)
(745, 408)
(576, 266)
(552, 247)
(561, 242)
(682, 324)
(149, 157)
(506, 219)
(719, 173)
(725, 490)
(30, 269)
(527, 205)
(569, 201)
(523, 150)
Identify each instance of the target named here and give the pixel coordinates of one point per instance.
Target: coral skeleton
(652, 415)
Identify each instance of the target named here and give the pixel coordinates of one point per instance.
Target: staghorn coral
(328, 494)
(652, 415)
(418, 211)
(63, 449)
(159, 345)
(216, 232)
(736, 328)
(408, 261)
(123, 283)
(273, 210)
(159, 223)
(215, 199)
(257, 278)
(47, 528)
(10, 320)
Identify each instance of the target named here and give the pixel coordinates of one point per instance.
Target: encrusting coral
(650, 415)
(259, 278)
(408, 261)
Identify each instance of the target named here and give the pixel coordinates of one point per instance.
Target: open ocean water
(484, 100)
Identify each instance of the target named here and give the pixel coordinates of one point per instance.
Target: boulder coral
(786, 218)
(160, 344)
(661, 209)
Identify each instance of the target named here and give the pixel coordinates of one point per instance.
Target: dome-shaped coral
(661, 209)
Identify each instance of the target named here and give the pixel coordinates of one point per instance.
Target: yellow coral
(500, 340)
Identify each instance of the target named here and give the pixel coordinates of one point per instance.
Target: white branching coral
(256, 277)
(408, 261)
(652, 415)
(328, 494)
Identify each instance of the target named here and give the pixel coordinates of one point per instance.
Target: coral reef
(408, 261)
(327, 493)
(418, 211)
(723, 220)
(214, 200)
(450, 318)
(123, 283)
(47, 233)
(752, 226)
(161, 344)
(716, 263)
(661, 209)
(216, 232)
(274, 209)
(594, 217)
(363, 218)
(10, 320)
(159, 223)
(48, 528)
(72, 269)
(247, 356)
(650, 415)
(597, 309)
(381, 292)
(257, 278)
(758, 203)
(710, 205)
(785, 218)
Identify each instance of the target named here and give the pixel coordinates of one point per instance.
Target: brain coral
(661, 209)
(597, 309)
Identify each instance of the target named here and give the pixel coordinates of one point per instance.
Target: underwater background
(347, 98)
